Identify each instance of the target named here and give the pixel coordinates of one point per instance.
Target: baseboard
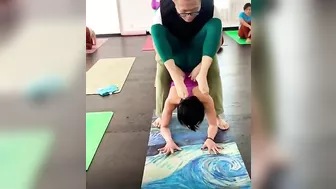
(224, 29)
(230, 28)
(147, 32)
(134, 33)
(108, 35)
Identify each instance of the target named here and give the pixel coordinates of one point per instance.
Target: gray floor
(119, 161)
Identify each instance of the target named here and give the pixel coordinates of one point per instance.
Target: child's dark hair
(247, 5)
(190, 112)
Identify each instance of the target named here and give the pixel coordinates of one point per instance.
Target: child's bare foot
(222, 124)
(157, 122)
(248, 40)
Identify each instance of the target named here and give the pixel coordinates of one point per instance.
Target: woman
(187, 36)
(245, 19)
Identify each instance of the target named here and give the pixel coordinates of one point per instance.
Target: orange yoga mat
(99, 42)
(148, 44)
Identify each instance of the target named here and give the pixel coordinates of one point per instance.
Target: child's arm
(210, 112)
(211, 116)
(170, 146)
(165, 120)
(213, 128)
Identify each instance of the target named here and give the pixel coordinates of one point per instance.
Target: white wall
(102, 16)
(138, 18)
(135, 16)
(131, 17)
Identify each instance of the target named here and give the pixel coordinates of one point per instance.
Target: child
(90, 38)
(245, 19)
(190, 113)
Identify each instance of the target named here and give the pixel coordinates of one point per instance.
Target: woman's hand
(170, 148)
(211, 146)
(181, 88)
(178, 77)
(202, 83)
(195, 72)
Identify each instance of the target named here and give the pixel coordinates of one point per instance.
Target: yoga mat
(99, 43)
(148, 44)
(23, 155)
(193, 168)
(106, 72)
(96, 125)
(234, 36)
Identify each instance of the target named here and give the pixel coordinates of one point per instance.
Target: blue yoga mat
(193, 168)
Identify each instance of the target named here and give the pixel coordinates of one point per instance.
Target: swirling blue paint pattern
(184, 136)
(191, 168)
(207, 171)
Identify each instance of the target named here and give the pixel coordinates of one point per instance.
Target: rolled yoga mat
(234, 36)
(149, 46)
(23, 155)
(106, 72)
(99, 43)
(193, 168)
(96, 125)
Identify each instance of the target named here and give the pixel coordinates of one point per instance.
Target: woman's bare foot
(248, 40)
(222, 124)
(157, 122)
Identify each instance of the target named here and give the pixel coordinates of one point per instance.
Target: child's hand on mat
(202, 83)
(211, 146)
(195, 72)
(170, 148)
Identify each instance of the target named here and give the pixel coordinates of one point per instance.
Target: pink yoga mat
(148, 45)
(99, 42)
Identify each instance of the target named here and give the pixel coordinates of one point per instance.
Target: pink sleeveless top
(190, 84)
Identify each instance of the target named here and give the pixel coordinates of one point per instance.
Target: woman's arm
(163, 49)
(244, 23)
(175, 72)
(214, 34)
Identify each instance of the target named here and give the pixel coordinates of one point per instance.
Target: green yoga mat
(22, 156)
(234, 36)
(96, 125)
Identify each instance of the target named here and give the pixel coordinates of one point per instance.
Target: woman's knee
(158, 30)
(214, 23)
